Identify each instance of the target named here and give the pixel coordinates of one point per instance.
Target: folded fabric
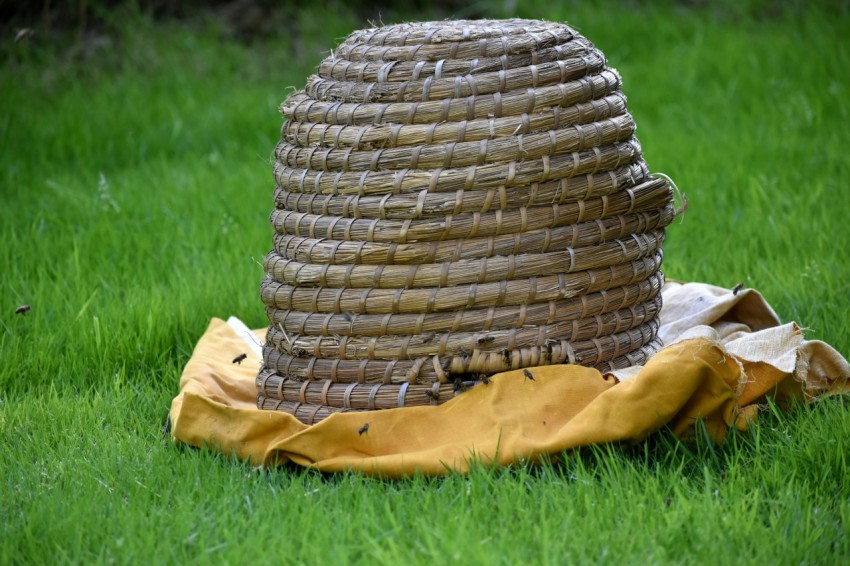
(725, 353)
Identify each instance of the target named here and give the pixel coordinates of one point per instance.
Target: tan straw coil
(455, 199)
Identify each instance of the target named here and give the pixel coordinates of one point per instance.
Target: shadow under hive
(455, 199)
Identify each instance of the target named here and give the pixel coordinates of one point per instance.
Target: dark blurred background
(249, 19)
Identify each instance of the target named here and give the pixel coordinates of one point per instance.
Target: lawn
(136, 187)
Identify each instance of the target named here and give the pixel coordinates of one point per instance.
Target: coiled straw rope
(455, 199)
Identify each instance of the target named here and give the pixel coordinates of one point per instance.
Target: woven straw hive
(456, 199)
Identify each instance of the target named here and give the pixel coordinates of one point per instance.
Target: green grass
(135, 187)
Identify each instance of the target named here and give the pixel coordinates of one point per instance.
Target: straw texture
(455, 199)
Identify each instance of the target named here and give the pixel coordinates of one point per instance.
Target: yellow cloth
(724, 353)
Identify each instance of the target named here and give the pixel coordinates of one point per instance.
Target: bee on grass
(238, 359)
(362, 429)
(528, 374)
(23, 309)
(166, 428)
(23, 33)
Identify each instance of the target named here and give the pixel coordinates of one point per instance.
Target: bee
(486, 339)
(458, 385)
(506, 358)
(23, 309)
(166, 428)
(527, 374)
(238, 359)
(485, 379)
(737, 288)
(23, 33)
(435, 395)
(362, 429)
(299, 352)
